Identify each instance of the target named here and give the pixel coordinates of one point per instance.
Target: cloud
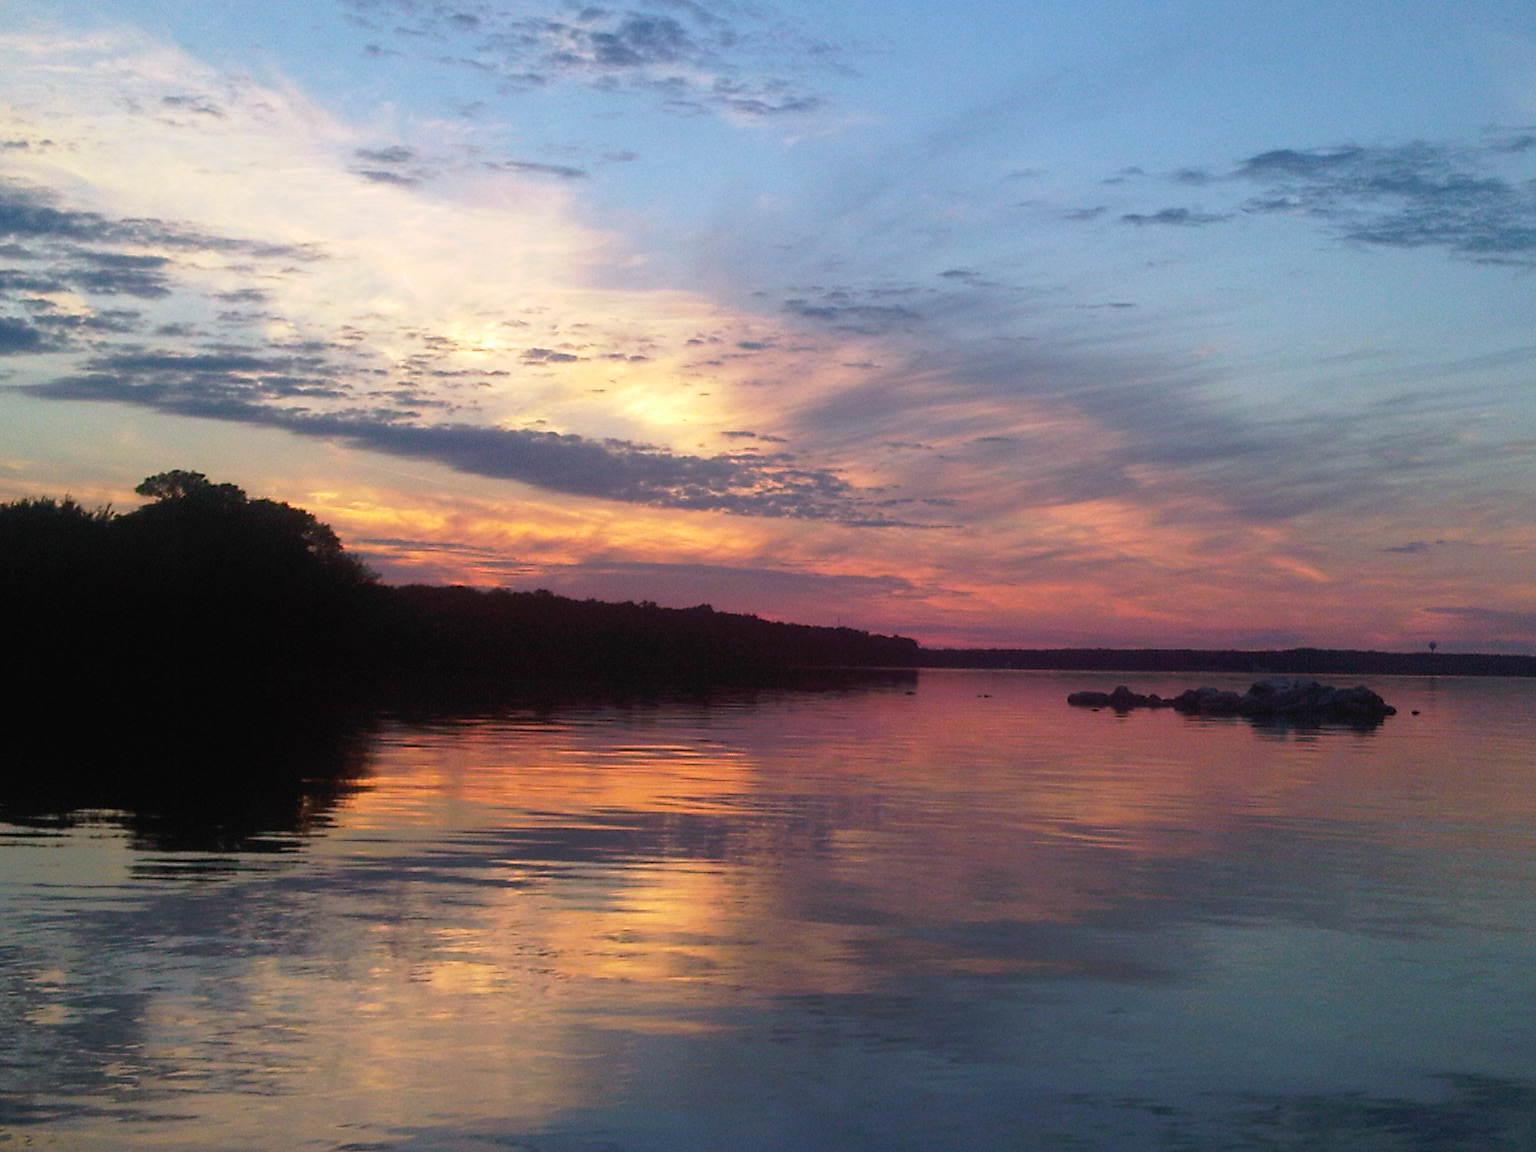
(97, 255)
(242, 296)
(1194, 177)
(1475, 199)
(1460, 198)
(733, 61)
(1177, 217)
(18, 337)
(221, 363)
(121, 274)
(200, 105)
(848, 311)
(1288, 162)
(117, 321)
(559, 171)
(548, 356)
(394, 164)
(1513, 143)
(773, 98)
(248, 388)
(387, 176)
(632, 40)
(394, 154)
(30, 213)
(1152, 433)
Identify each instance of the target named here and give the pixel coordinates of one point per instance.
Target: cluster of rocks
(1267, 699)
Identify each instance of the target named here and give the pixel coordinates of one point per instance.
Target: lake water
(946, 912)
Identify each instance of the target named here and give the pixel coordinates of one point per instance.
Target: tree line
(205, 590)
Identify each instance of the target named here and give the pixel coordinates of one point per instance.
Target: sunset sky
(1206, 324)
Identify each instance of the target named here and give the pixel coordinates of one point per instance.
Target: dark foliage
(200, 589)
(511, 634)
(204, 595)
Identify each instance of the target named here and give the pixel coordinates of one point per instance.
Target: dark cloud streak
(30, 214)
(1175, 217)
(249, 388)
(534, 168)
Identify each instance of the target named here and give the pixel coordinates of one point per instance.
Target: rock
(1122, 699)
(1307, 699)
(1280, 698)
(1208, 702)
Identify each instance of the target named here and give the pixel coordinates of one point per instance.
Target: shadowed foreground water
(946, 913)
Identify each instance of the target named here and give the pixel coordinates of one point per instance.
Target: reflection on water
(950, 913)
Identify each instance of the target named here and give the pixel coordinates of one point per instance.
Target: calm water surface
(950, 913)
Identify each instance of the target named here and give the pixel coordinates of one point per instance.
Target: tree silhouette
(180, 485)
(209, 530)
(50, 551)
(204, 596)
(30, 529)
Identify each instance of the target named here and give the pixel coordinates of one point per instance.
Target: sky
(1023, 324)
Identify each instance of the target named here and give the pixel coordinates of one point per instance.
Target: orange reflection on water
(516, 914)
(779, 850)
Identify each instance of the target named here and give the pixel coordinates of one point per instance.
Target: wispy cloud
(688, 57)
(859, 312)
(54, 253)
(392, 164)
(200, 105)
(1476, 200)
(1420, 195)
(30, 213)
(534, 168)
(1176, 217)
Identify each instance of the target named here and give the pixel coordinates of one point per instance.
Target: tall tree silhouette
(209, 530)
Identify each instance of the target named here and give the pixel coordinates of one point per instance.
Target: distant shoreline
(1282, 662)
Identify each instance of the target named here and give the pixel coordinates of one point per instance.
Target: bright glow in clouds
(746, 314)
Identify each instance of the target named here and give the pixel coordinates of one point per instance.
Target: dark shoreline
(206, 600)
(1283, 662)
